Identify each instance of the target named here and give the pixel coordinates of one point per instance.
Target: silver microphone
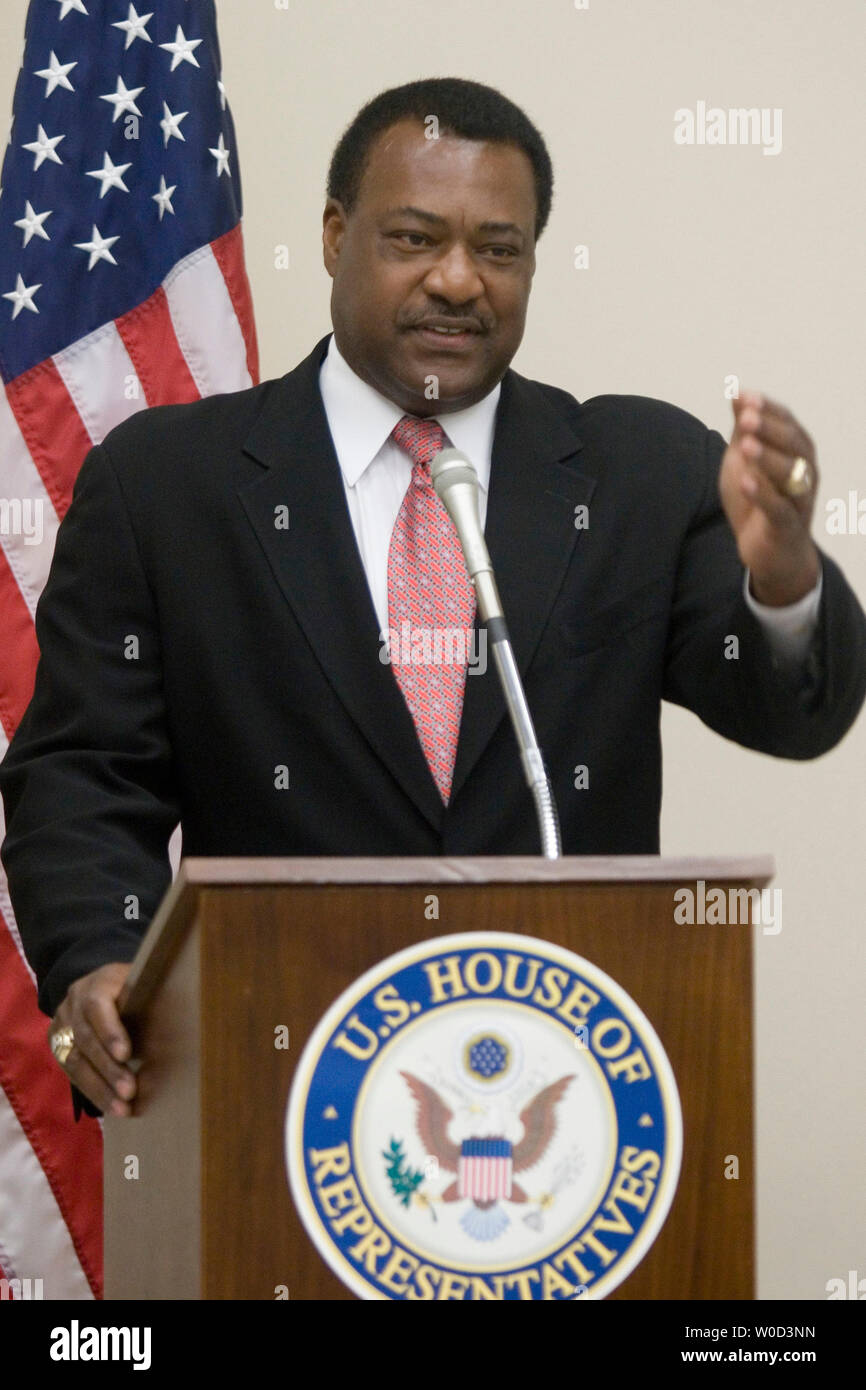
(456, 484)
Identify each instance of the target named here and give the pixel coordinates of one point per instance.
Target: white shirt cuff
(789, 629)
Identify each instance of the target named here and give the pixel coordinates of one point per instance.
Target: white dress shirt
(376, 474)
(376, 471)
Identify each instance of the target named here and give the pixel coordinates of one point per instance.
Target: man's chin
(441, 387)
(444, 402)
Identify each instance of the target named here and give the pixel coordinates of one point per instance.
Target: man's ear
(334, 220)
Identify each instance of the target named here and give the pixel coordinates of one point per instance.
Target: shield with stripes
(484, 1169)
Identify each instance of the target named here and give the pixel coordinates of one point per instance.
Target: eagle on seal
(485, 1219)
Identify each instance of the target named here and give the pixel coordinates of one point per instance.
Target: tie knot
(422, 439)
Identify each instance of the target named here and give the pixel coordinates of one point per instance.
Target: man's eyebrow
(501, 228)
(497, 228)
(420, 213)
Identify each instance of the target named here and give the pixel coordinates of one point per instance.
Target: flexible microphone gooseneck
(456, 484)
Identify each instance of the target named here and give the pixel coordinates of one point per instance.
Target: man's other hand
(772, 528)
(101, 1044)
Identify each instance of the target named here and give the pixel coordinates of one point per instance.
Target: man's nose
(455, 277)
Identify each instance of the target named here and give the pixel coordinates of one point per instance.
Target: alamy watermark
(22, 516)
(21, 1290)
(77, 1343)
(741, 125)
(733, 907)
(434, 646)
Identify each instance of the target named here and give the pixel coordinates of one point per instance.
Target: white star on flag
(124, 99)
(43, 147)
(71, 5)
(111, 175)
(182, 49)
(163, 197)
(22, 297)
(98, 247)
(221, 155)
(31, 224)
(221, 88)
(134, 24)
(171, 123)
(55, 74)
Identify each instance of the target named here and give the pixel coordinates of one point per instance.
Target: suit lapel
(530, 532)
(318, 567)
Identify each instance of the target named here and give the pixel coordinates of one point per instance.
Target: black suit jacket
(190, 647)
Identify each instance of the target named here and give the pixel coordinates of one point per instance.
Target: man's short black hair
(466, 109)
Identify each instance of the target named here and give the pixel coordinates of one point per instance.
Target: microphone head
(456, 484)
(450, 467)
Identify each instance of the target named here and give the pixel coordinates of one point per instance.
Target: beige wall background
(703, 262)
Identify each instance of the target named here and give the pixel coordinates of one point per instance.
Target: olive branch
(404, 1180)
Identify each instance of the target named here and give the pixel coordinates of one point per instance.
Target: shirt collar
(361, 419)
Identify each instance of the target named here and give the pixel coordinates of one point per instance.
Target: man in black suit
(212, 631)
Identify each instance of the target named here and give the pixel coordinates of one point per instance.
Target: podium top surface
(489, 869)
(202, 875)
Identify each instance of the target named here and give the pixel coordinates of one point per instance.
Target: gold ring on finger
(62, 1043)
(799, 480)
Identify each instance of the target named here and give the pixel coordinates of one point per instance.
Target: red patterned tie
(431, 605)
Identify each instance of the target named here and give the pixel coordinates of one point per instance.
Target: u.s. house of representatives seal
(483, 1117)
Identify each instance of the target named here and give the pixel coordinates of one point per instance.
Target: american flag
(122, 286)
(484, 1169)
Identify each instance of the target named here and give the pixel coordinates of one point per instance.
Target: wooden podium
(197, 1202)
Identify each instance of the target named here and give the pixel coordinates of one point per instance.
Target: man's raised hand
(772, 528)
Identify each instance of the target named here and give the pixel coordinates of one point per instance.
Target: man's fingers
(767, 438)
(776, 465)
(95, 1061)
(775, 417)
(94, 1085)
(760, 490)
(100, 1011)
(758, 401)
(89, 1045)
(786, 436)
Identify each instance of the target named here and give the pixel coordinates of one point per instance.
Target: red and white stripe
(484, 1178)
(195, 336)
